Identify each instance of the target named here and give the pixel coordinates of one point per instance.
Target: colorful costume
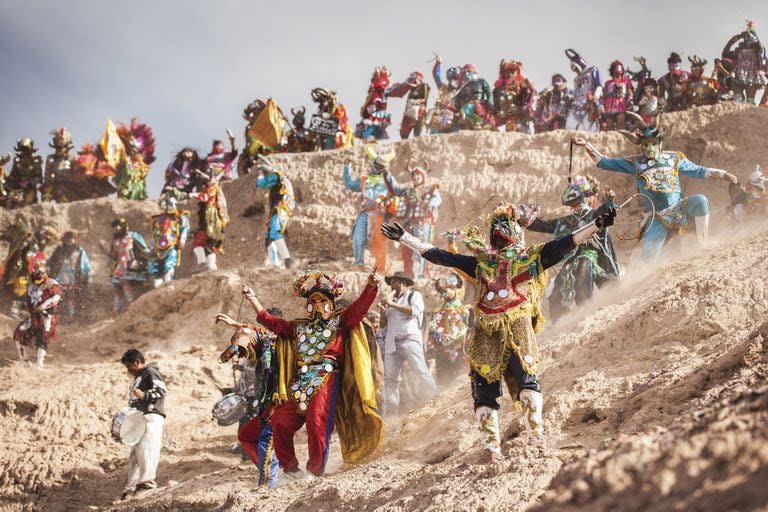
(92, 173)
(212, 220)
(170, 230)
(417, 211)
(672, 85)
(378, 204)
(587, 90)
(553, 105)
(254, 346)
(129, 257)
(324, 377)
(71, 268)
(375, 117)
(448, 330)
(43, 296)
(648, 103)
(749, 64)
(133, 168)
(593, 262)
(415, 104)
(26, 174)
(474, 101)
(699, 89)
(617, 97)
(183, 174)
(299, 139)
(15, 271)
(510, 280)
(60, 182)
(279, 203)
(219, 163)
(657, 175)
(749, 200)
(513, 98)
(442, 118)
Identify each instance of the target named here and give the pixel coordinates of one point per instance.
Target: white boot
(40, 358)
(533, 406)
(199, 253)
(212, 261)
(157, 282)
(272, 255)
(702, 229)
(22, 350)
(488, 420)
(282, 252)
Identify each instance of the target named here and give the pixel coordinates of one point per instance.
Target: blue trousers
(360, 238)
(656, 235)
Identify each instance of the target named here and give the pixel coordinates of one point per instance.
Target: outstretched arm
(543, 225)
(276, 325)
(607, 164)
(356, 311)
(352, 184)
(692, 170)
(466, 264)
(553, 252)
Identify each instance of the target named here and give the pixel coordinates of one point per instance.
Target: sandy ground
(655, 395)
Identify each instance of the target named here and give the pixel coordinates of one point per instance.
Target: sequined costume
(71, 267)
(26, 174)
(617, 97)
(417, 92)
(219, 162)
(132, 168)
(129, 259)
(25, 243)
(375, 118)
(592, 263)
(672, 85)
(448, 330)
(170, 231)
(510, 280)
(325, 377)
(513, 98)
(587, 91)
(212, 220)
(299, 139)
(42, 301)
(417, 211)
(183, 174)
(378, 203)
(60, 184)
(657, 175)
(474, 101)
(749, 63)
(279, 203)
(442, 118)
(699, 89)
(553, 105)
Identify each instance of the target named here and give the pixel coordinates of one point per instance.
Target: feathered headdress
(576, 59)
(314, 281)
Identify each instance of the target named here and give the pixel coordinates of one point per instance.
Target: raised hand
(221, 317)
(392, 231)
(374, 277)
(606, 219)
(248, 292)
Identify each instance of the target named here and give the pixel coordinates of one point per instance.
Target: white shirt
(402, 326)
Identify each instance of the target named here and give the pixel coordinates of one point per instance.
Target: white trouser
(277, 253)
(145, 456)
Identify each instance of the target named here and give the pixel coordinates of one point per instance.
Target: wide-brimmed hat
(402, 276)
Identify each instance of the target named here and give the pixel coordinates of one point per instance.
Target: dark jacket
(151, 382)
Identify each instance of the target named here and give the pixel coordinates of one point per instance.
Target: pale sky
(189, 67)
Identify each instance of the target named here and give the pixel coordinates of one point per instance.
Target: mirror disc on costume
(321, 345)
(310, 390)
(504, 293)
(327, 333)
(528, 358)
(312, 339)
(303, 337)
(311, 351)
(304, 369)
(329, 368)
(490, 296)
(296, 395)
(303, 347)
(485, 369)
(303, 397)
(302, 406)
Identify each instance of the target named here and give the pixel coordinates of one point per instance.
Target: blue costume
(379, 202)
(279, 203)
(170, 231)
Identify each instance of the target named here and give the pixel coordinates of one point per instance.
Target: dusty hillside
(654, 399)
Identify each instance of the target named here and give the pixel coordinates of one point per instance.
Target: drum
(128, 426)
(229, 410)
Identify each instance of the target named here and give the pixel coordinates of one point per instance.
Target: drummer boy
(147, 395)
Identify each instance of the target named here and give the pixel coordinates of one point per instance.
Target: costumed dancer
(672, 84)
(146, 394)
(657, 175)
(749, 200)
(15, 271)
(279, 203)
(617, 97)
(324, 375)
(415, 104)
(129, 257)
(375, 117)
(442, 117)
(474, 101)
(212, 220)
(511, 280)
(170, 231)
(378, 204)
(3, 174)
(448, 330)
(219, 162)
(584, 113)
(648, 103)
(71, 268)
(132, 170)
(513, 98)
(92, 173)
(59, 169)
(299, 139)
(418, 211)
(43, 297)
(183, 173)
(553, 105)
(699, 89)
(750, 64)
(26, 174)
(639, 77)
(254, 348)
(592, 263)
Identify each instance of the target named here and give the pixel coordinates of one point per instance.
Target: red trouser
(286, 421)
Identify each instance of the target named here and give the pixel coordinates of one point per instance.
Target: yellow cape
(358, 423)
